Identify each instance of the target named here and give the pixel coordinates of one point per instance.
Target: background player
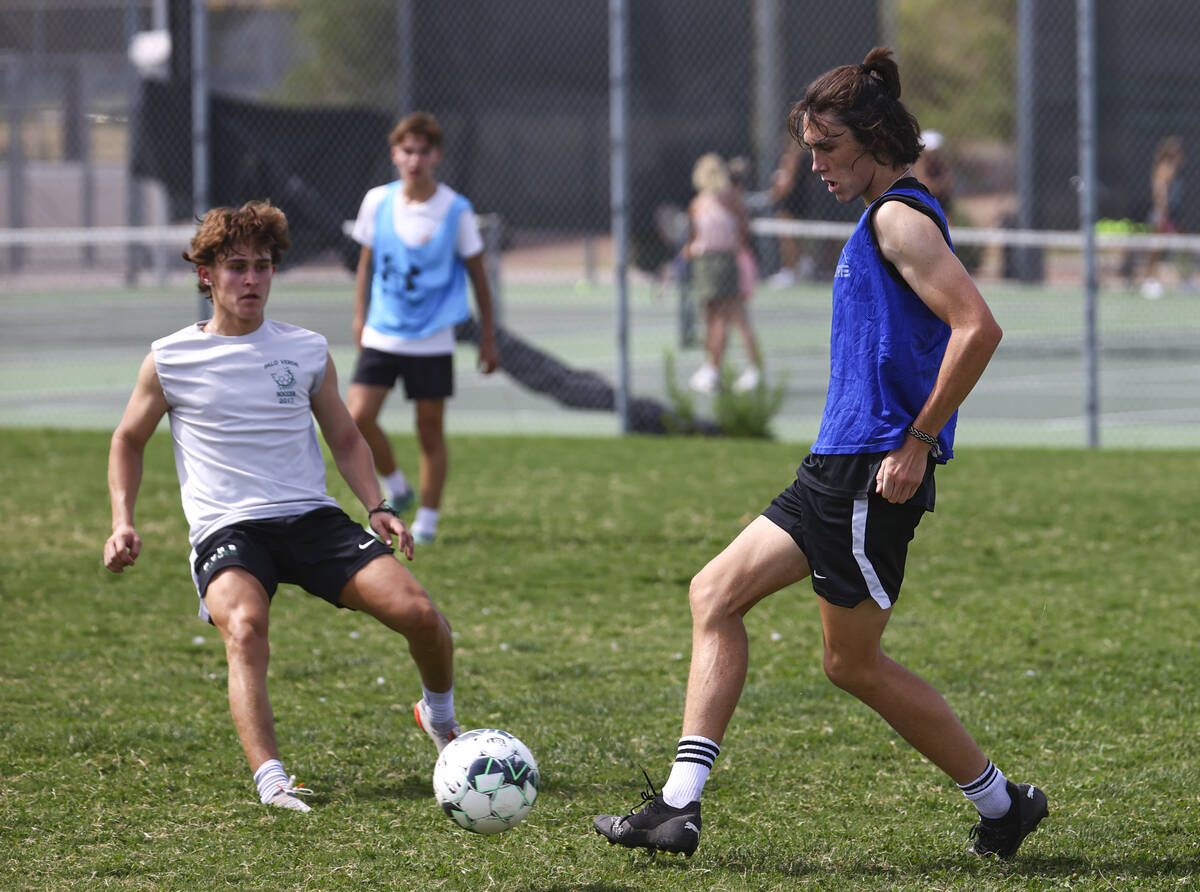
(420, 242)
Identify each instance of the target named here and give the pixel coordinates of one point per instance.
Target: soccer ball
(486, 781)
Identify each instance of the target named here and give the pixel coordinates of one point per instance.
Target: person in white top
(420, 243)
(241, 391)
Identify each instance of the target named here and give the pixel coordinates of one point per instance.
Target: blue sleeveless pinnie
(886, 346)
(417, 291)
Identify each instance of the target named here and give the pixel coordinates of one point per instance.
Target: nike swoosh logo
(819, 576)
(366, 544)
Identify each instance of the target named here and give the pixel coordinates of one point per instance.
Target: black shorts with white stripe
(856, 547)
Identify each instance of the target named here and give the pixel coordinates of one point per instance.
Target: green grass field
(1054, 598)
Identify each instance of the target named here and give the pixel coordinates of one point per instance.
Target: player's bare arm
(489, 353)
(145, 409)
(354, 461)
(362, 293)
(915, 246)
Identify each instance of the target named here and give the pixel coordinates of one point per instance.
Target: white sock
(270, 778)
(441, 707)
(396, 483)
(694, 757)
(989, 792)
(426, 520)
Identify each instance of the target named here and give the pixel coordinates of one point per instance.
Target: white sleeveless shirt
(240, 408)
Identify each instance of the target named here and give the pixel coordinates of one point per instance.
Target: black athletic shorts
(425, 377)
(320, 551)
(856, 547)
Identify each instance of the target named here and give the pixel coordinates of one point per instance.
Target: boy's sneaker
(402, 501)
(1003, 836)
(658, 827)
(423, 537)
(439, 738)
(289, 796)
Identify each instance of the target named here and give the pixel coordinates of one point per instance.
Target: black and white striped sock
(989, 792)
(694, 758)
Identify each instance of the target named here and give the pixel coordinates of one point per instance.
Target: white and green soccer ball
(486, 781)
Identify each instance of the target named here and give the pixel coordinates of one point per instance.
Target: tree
(958, 65)
(350, 58)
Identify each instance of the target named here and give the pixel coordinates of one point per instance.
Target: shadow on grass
(415, 787)
(1166, 869)
(409, 789)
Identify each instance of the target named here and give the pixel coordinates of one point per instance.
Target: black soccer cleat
(1003, 836)
(658, 827)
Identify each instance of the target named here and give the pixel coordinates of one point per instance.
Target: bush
(747, 413)
(738, 413)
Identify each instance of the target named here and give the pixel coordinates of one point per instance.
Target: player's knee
(851, 675)
(708, 598)
(425, 620)
(244, 633)
(838, 670)
(415, 617)
(431, 436)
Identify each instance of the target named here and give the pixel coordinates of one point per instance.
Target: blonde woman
(718, 229)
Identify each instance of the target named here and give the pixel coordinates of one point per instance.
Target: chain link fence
(105, 157)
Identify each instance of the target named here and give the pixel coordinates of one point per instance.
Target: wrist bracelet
(935, 449)
(385, 508)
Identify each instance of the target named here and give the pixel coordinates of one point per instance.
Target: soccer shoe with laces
(289, 796)
(425, 723)
(1003, 836)
(658, 827)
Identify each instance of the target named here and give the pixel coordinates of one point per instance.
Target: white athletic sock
(989, 792)
(441, 707)
(694, 757)
(396, 483)
(270, 778)
(425, 521)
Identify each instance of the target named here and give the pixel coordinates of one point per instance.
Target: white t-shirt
(415, 223)
(241, 422)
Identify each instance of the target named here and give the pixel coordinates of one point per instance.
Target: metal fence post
(404, 58)
(768, 106)
(1024, 256)
(618, 56)
(15, 98)
(1087, 207)
(200, 123)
